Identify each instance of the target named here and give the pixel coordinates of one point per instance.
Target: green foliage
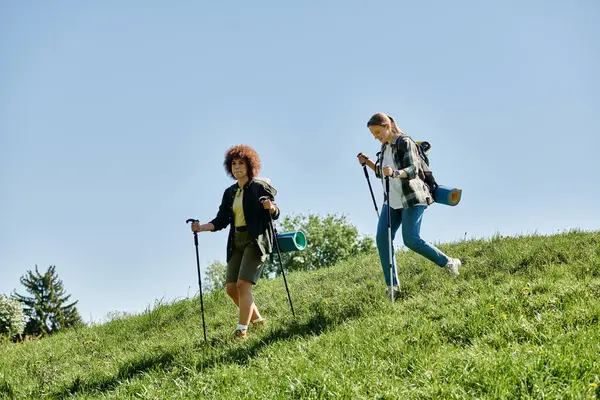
(216, 274)
(47, 308)
(520, 322)
(331, 239)
(12, 320)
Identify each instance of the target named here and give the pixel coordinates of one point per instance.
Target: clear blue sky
(114, 118)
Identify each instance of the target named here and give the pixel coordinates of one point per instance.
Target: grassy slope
(521, 321)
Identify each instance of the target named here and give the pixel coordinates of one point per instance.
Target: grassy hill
(521, 321)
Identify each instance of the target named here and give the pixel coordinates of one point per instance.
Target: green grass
(521, 321)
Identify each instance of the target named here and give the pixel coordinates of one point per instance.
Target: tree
(12, 320)
(47, 308)
(216, 274)
(331, 239)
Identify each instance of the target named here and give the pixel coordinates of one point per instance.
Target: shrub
(12, 320)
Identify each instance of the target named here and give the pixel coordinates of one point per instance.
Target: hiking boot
(239, 335)
(258, 324)
(452, 266)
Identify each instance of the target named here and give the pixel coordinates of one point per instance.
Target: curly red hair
(246, 153)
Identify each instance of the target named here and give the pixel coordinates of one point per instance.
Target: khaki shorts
(245, 262)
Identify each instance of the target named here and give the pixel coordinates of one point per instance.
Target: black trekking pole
(389, 227)
(278, 254)
(370, 188)
(199, 276)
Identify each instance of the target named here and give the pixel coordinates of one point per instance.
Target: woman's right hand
(362, 159)
(196, 227)
(365, 160)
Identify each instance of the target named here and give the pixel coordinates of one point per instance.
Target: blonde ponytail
(381, 119)
(395, 128)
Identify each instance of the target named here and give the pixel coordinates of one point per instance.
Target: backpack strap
(423, 147)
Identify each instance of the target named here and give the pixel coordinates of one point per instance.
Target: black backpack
(428, 178)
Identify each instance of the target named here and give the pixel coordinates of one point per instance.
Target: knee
(243, 286)
(231, 290)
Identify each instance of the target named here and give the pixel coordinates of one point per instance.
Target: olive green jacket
(257, 218)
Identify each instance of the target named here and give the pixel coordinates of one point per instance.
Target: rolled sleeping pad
(291, 241)
(447, 195)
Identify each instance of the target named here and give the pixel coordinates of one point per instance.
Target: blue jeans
(410, 218)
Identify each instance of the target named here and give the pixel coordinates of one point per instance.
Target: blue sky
(114, 118)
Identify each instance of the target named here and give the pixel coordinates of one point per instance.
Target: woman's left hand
(268, 205)
(387, 170)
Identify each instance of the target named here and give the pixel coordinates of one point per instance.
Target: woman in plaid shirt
(409, 197)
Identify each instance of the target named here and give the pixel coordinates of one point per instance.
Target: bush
(12, 320)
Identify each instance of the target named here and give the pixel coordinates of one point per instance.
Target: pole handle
(366, 158)
(195, 233)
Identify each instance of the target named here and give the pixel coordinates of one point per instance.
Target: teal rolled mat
(447, 195)
(291, 241)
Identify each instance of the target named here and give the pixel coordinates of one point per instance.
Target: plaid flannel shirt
(407, 158)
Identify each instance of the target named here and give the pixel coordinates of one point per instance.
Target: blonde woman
(409, 197)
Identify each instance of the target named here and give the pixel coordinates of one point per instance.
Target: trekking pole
(278, 254)
(389, 227)
(370, 188)
(199, 276)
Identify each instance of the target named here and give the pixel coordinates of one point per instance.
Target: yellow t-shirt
(238, 209)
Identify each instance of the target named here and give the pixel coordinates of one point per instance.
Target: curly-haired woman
(250, 238)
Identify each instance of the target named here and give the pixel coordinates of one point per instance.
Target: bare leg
(232, 291)
(246, 301)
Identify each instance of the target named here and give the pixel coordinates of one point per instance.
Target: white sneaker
(452, 266)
